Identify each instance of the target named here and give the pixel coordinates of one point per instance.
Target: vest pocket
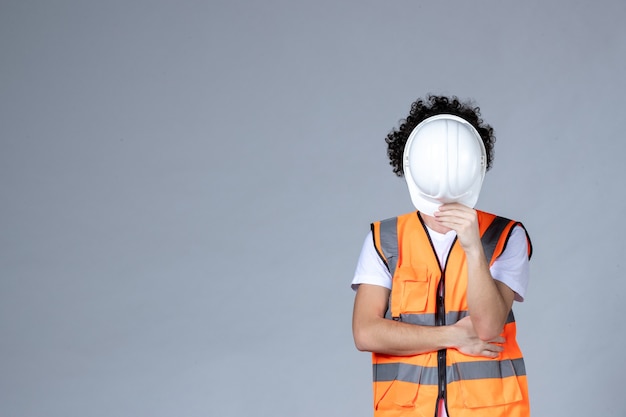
(415, 285)
(487, 383)
(395, 394)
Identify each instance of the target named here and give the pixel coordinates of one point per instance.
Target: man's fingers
(454, 206)
(490, 354)
(456, 217)
(494, 348)
(491, 351)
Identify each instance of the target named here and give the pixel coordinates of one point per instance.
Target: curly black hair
(430, 106)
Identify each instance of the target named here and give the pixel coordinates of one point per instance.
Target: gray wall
(185, 187)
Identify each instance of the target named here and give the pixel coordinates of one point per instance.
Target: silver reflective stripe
(407, 373)
(452, 317)
(456, 372)
(419, 319)
(491, 236)
(485, 369)
(389, 242)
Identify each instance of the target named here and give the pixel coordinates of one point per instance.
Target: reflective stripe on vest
(464, 370)
(451, 317)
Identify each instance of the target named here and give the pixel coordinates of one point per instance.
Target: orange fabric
(476, 386)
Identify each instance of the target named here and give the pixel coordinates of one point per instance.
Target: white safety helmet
(444, 162)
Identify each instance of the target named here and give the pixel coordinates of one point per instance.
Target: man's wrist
(451, 336)
(475, 253)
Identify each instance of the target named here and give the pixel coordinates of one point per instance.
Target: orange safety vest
(426, 293)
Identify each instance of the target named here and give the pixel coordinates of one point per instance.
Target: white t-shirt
(511, 267)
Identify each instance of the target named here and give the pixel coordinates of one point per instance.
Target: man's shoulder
(490, 216)
(398, 217)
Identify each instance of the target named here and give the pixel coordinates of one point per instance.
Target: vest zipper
(440, 320)
(441, 354)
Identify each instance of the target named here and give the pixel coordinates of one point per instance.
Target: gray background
(185, 187)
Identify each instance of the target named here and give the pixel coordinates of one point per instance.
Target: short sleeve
(370, 268)
(512, 266)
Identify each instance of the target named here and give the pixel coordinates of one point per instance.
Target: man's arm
(489, 301)
(373, 333)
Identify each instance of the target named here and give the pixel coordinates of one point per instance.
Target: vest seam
(380, 255)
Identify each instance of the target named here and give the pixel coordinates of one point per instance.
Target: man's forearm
(391, 337)
(488, 307)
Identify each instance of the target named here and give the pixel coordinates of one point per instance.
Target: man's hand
(464, 221)
(470, 344)
(489, 301)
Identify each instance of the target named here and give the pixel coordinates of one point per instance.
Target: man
(435, 287)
